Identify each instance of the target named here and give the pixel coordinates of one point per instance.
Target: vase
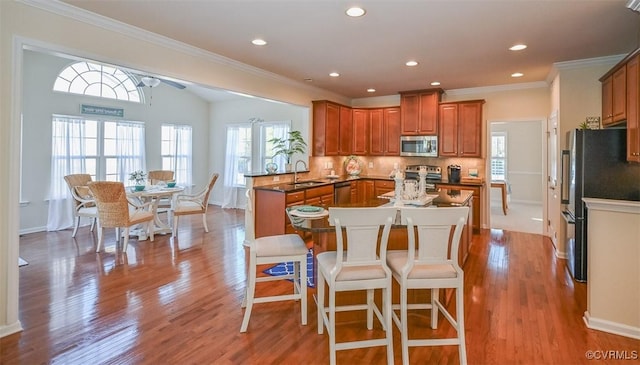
(287, 167)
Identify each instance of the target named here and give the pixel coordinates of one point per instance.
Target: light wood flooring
(177, 301)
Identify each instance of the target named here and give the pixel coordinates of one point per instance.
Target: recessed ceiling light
(259, 42)
(518, 47)
(371, 90)
(355, 12)
(411, 63)
(517, 74)
(435, 83)
(334, 74)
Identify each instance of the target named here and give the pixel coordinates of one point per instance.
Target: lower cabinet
(476, 203)
(270, 214)
(383, 186)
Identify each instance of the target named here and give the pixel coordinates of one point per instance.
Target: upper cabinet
(376, 131)
(384, 127)
(633, 109)
(614, 91)
(460, 129)
(419, 112)
(360, 132)
(332, 128)
(621, 100)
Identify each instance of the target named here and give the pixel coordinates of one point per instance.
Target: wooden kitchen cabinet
(383, 186)
(322, 195)
(384, 128)
(345, 138)
(614, 93)
(419, 112)
(633, 109)
(475, 204)
(460, 129)
(332, 129)
(621, 100)
(360, 132)
(366, 190)
(354, 192)
(270, 214)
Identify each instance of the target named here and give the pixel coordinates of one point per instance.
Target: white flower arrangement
(139, 176)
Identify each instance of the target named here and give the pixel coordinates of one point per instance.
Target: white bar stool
(274, 250)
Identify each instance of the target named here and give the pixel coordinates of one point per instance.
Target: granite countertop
(446, 198)
(323, 181)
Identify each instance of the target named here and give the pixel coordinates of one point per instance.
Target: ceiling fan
(152, 82)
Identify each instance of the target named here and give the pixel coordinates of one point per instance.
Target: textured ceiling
(462, 44)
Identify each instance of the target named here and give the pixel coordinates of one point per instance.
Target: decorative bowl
(171, 184)
(271, 168)
(139, 187)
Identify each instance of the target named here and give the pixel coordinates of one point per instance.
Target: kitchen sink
(303, 184)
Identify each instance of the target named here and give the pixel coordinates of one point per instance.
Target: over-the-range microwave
(422, 146)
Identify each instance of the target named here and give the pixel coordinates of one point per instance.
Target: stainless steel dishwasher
(342, 193)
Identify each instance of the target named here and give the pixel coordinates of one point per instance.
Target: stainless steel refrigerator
(595, 166)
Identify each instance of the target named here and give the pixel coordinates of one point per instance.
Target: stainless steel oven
(423, 146)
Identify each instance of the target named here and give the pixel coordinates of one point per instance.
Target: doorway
(516, 156)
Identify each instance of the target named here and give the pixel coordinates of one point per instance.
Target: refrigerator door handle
(564, 176)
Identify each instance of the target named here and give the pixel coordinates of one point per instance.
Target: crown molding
(75, 13)
(498, 88)
(587, 62)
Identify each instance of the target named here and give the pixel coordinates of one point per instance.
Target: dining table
(153, 194)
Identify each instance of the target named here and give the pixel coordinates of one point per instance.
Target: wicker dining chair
(84, 204)
(114, 212)
(186, 204)
(156, 176)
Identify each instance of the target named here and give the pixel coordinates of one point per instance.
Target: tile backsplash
(383, 165)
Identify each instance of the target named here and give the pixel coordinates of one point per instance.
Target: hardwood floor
(177, 301)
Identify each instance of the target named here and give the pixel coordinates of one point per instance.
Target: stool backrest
(367, 233)
(434, 233)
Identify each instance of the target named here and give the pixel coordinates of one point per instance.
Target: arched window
(88, 78)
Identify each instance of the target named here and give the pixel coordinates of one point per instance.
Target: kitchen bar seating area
(177, 300)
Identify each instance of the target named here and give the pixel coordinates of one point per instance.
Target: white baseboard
(611, 327)
(10, 329)
(33, 230)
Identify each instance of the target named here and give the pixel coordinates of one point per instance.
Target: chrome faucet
(295, 170)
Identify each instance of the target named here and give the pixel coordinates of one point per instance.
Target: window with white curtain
(238, 156)
(248, 149)
(104, 149)
(176, 142)
(498, 156)
(268, 131)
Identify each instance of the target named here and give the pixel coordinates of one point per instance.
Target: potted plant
(288, 146)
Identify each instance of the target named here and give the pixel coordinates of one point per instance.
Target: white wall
(524, 160)
(169, 105)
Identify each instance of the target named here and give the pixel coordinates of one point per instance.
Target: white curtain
(67, 157)
(130, 149)
(183, 155)
(232, 190)
(280, 130)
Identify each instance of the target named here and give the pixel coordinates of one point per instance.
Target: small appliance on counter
(453, 172)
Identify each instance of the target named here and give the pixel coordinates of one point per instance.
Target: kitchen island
(323, 234)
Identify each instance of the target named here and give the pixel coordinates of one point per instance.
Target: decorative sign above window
(101, 110)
